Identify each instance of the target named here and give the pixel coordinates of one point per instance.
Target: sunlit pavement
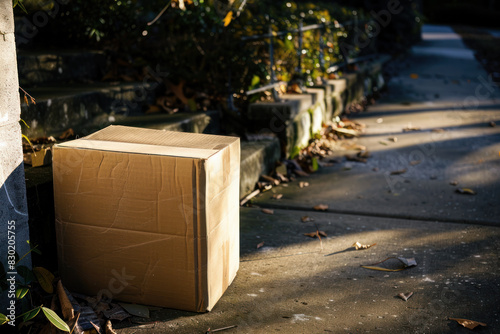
(292, 283)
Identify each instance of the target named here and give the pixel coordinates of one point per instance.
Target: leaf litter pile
(336, 136)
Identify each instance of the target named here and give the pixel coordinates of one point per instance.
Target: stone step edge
(42, 67)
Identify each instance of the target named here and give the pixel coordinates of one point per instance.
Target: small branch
(160, 14)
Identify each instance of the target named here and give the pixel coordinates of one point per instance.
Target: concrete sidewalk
(297, 284)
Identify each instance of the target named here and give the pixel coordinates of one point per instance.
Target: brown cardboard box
(148, 216)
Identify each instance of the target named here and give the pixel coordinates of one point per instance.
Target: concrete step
(196, 122)
(297, 117)
(257, 158)
(81, 106)
(37, 68)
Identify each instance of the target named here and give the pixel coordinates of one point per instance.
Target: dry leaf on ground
(109, 328)
(277, 196)
(315, 234)
(415, 162)
(268, 211)
(303, 184)
(352, 157)
(405, 296)
(358, 245)
(466, 191)
(470, 324)
(398, 172)
(453, 183)
(406, 263)
(306, 219)
(116, 312)
(410, 127)
(67, 309)
(259, 245)
(320, 207)
(364, 154)
(270, 179)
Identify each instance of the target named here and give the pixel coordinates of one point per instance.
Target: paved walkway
(296, 284)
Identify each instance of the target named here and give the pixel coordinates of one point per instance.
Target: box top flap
(149, 141)
(112, 146)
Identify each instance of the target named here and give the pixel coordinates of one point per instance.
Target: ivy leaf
(55, 319)
(45, 278)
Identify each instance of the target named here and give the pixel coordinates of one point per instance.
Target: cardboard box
(148, 216)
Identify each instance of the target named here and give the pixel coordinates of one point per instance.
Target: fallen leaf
(67, 309)
(303, 184)
(393, 139)
(379, 120)
(228, 18)
(116, 312)
(306, 219)
(407, 263)
(465, 191)
(493, 124)
(109, 328)
(357, 147)
(277, 196)
(414, 76)
(398, 172)
(364, 154)
(270, 179)
(317, 234)
(406, 296)
(382, 142)
(470, 324)
(415, 162)
(453, 183)
(352, 157)
(438, 130)
(410, 127)
(358, 245)
(268, 211)
(320, 207)
(348, 132)
(282, 177)
(259, 245)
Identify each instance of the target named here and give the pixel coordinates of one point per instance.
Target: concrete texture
(13, 210)
(292, 283)
(81, 106)
(37, 68)
(257, 158)
(196, 122)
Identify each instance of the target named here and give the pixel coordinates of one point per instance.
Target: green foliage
(19, 3)
(32, 280)
(55, 319)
